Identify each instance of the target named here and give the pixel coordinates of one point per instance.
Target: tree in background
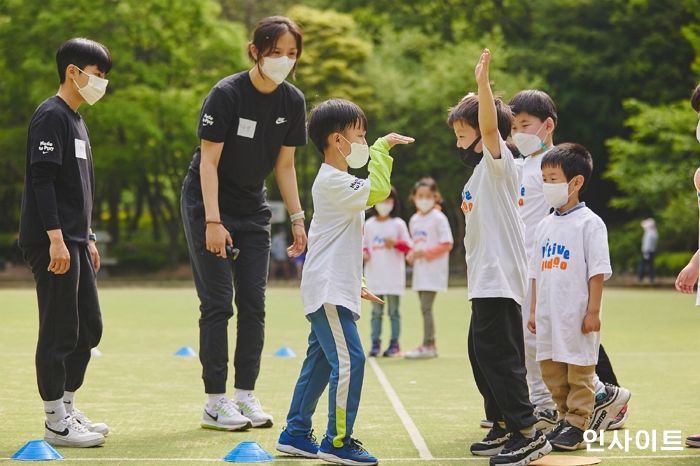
(167, 55)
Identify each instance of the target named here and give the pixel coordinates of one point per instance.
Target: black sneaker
(493, 443)
(521, 451)
(570, 438)
(546, 419)
(557, 430)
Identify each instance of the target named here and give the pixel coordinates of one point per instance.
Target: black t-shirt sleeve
(44, 175)
(296, 136)
(47, 138)
(216, 116)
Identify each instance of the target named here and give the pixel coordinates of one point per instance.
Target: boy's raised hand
(395, 138)
(481, 72)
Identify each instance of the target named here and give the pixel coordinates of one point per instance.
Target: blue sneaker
(298, 445)
(351, 453)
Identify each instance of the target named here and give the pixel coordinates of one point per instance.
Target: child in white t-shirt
(331, 284)
(496, 272)
(386, 242)
(430, 257)
(569, 262)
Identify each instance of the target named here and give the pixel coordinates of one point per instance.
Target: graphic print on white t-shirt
(568, 251)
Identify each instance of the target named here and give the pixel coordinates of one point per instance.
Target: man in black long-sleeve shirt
(58, 244)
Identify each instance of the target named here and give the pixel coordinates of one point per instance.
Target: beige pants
(572, 390)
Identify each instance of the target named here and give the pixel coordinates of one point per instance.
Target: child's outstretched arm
(488, 120)
(591, 321)
(380, 166)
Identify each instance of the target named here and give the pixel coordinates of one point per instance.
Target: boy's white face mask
(528, 143)
(556, 194)
(93, 90)
(358, 156)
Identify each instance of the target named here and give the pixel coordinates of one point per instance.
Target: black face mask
(469, 157)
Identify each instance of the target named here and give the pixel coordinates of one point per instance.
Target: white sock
(242, 395)
(214, 398)
(68, 398)
(598, 385)
(54, 410)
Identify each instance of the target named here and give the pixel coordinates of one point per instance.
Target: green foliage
(653, 169)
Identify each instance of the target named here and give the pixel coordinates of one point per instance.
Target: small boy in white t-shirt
(569, 262)
(331, 283)
(497, 272)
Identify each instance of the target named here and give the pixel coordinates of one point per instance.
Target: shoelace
(356, 445)
(253, 404)
(80, 416)
(227, 407)
(75, 425)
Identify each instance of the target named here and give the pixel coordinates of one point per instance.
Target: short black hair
(695, 99)
(394, 195)
(82, 52)
(467, 111)
(573, 159)
(331, 116)
(535, 102)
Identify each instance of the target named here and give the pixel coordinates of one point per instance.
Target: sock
(242, 395)
(599, 387)
(54, 410)
(213, 398)
(68, 401)
(502, 424)
(529, 432)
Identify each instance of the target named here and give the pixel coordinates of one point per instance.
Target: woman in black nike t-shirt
(250, 124)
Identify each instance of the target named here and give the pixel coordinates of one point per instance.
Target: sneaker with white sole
(252, 409)
(298, 445)
(351, 453)
(521, 451)
(68, 432)
(224, 415)
(492, 444)
(546, 419)
(422, 352)
(693, 441)
(607, 405)
(99, 427)
(620, 419)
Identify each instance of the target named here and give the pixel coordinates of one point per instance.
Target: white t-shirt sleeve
(597, 253)
(444, 231)
(502, 166)
(403, 232)
(346, 192)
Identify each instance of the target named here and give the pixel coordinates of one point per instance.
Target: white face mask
(528, 143)
(697, 132)
(425, 205)
(384, 208)
(556, 194)
(93, 90)
(277, 69)
(358, 156)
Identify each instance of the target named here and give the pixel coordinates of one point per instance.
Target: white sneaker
(68, 432)
(422, 352)
(99, 427)
(224, 415)
(252, 409)
(607, 406)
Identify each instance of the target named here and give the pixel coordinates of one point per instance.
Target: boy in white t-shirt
(331, 284)
(534, 122)
(569, 262)
(496, 269)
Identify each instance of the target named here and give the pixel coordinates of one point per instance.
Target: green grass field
(152, 400)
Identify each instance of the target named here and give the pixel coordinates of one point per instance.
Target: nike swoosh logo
(216, 418)
(68, 402)
(52, 412)
(63, 433)
(280, 120)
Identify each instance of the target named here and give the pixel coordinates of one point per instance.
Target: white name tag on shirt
(80, 151)
(246, 128)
